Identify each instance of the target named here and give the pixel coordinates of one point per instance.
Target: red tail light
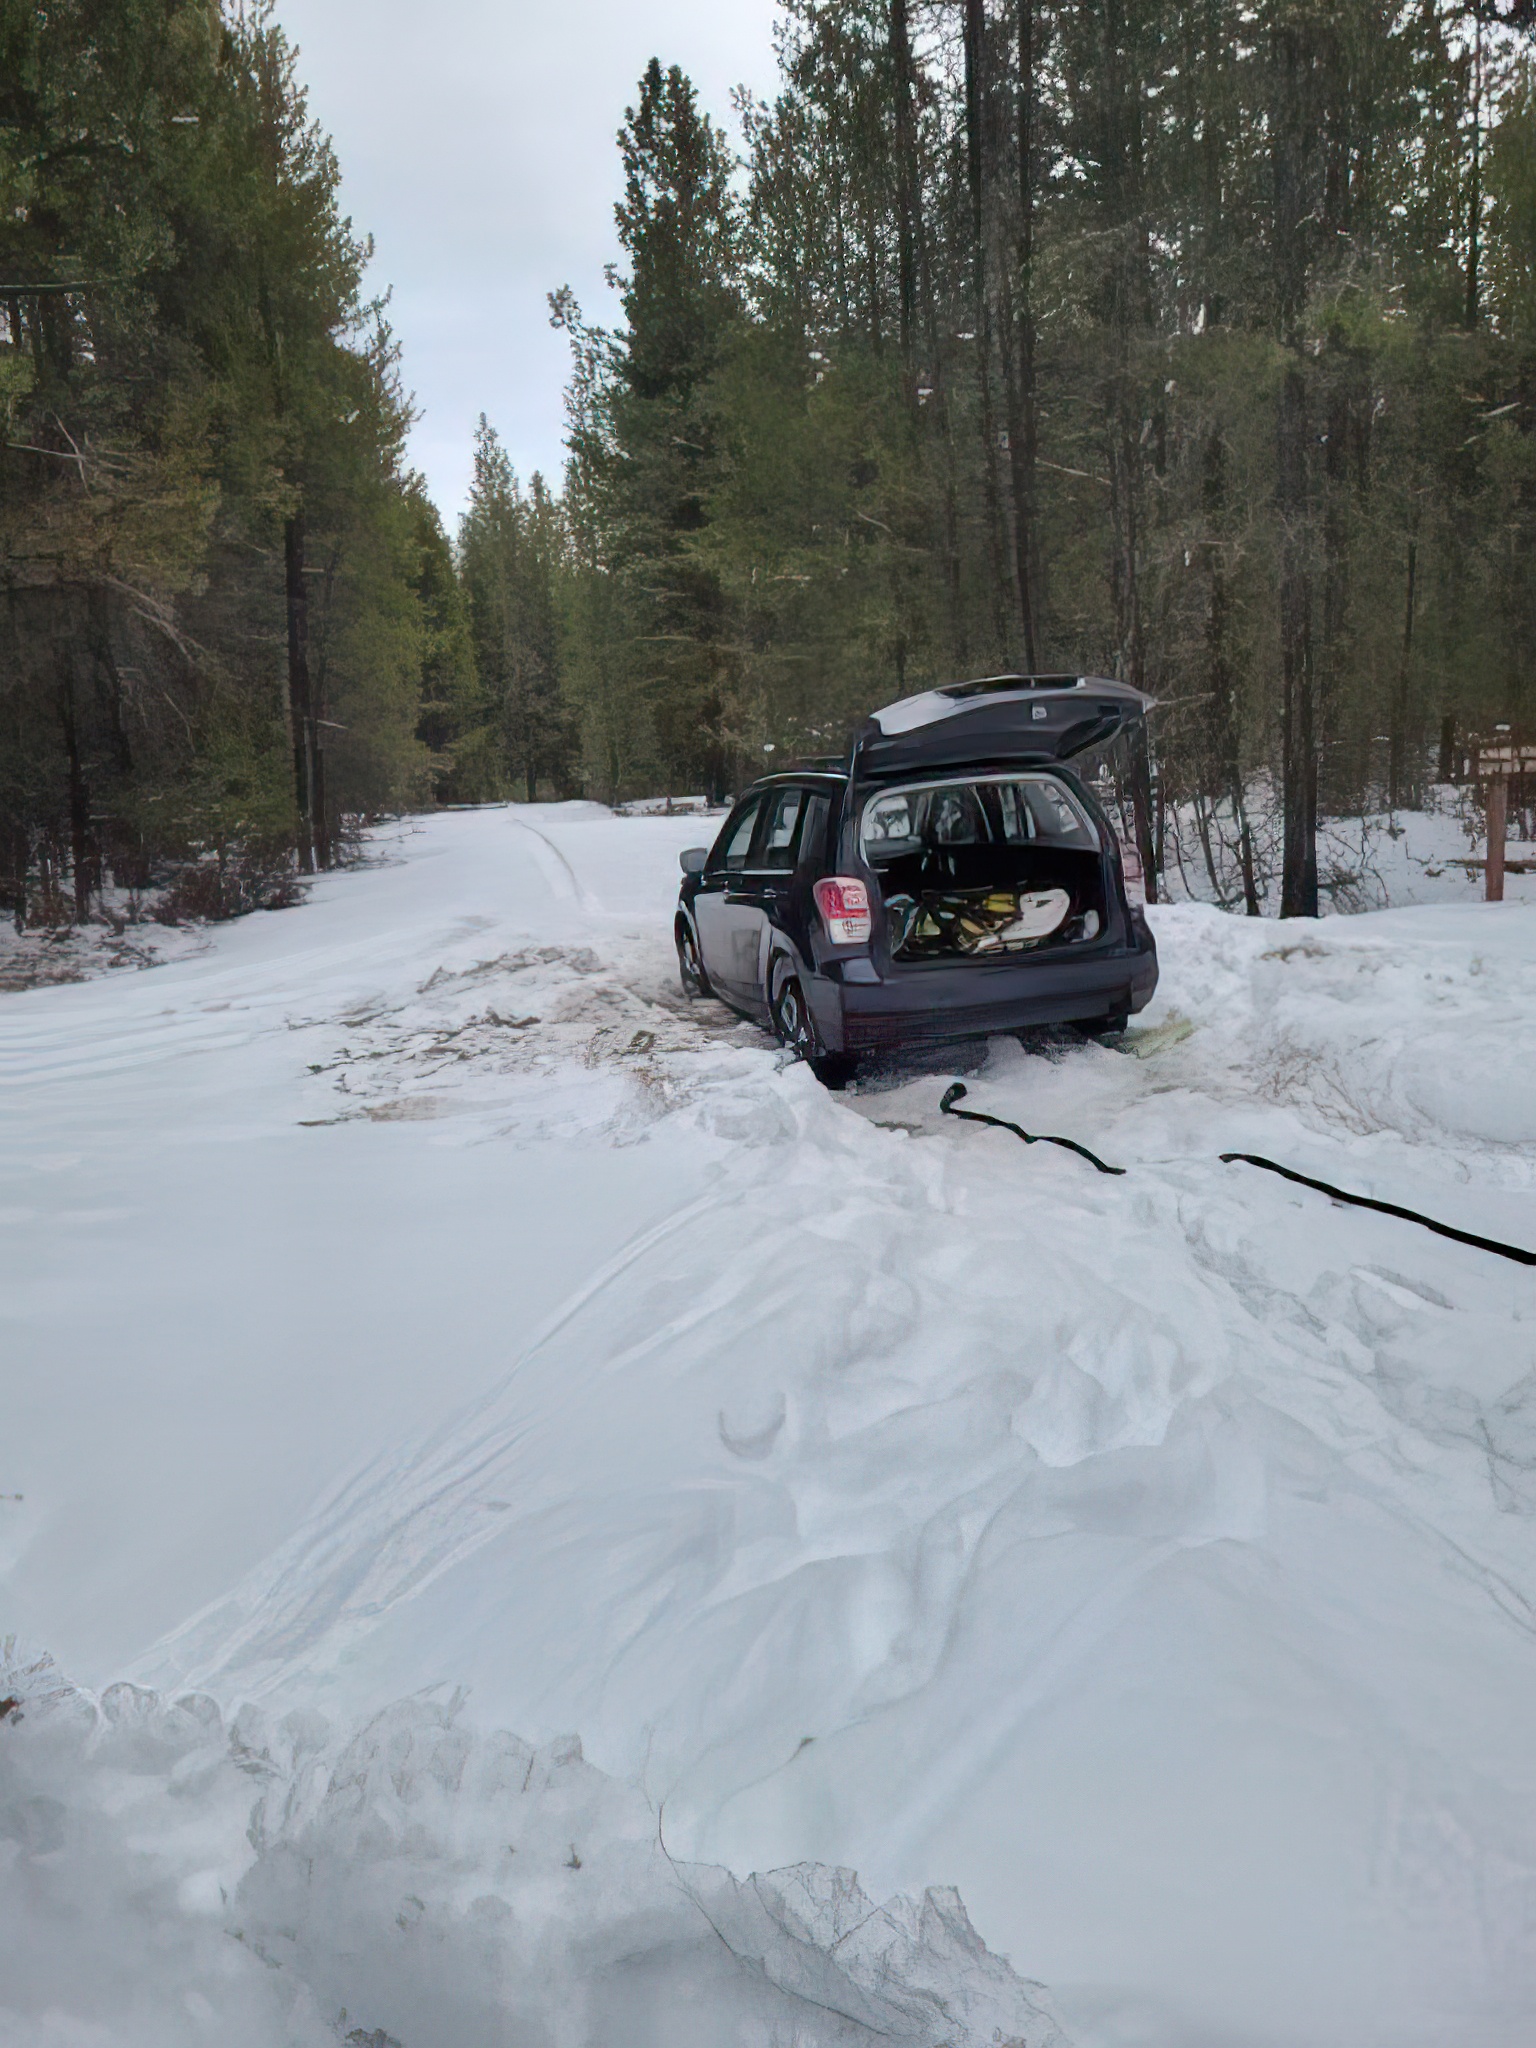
(843, 902)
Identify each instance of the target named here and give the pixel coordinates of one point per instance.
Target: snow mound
(421, 1883)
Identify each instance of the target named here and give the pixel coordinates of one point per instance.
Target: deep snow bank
(420, 1883)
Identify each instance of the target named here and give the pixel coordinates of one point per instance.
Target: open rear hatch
(979, 850)
(994, 722)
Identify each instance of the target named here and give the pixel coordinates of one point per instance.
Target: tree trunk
(1125, 576)
(110, 682)
(81, 862)
(975, 111)
(1472, 311)
(1203, 828)
(325, 850)
(1298, 739)
(1293, 141)
(301, 710)
(871, 226)
(1398, 792)
(19, 861)
(1228, 765)
(1019, 357)
(1129, 313)
(1331, 656)
(1251, 904)
(906, 193)
(944, 427)
(1147, 847)
(1297, 707)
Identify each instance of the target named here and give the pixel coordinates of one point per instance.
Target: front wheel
(690, 968)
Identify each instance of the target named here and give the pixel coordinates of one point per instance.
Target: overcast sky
(477, 147)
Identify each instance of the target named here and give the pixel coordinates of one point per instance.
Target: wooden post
(301, 704)
(1498, 813)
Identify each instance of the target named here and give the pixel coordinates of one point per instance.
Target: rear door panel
(760, 898)
(725, 914)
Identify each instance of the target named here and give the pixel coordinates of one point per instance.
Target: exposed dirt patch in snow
(42, 959)
(532, 1011)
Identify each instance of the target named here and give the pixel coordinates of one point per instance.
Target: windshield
(998, 810)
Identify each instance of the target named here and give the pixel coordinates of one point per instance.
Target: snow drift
(415, 1882)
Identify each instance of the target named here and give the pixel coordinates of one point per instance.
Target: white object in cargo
(1041, 912)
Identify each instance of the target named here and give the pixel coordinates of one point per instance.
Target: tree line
(1188, 341)
(223, 599)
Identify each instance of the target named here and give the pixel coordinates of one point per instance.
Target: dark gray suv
(954, 879)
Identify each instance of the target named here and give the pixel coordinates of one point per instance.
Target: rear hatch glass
(984, 865)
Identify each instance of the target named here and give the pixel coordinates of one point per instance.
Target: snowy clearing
(409, 1293)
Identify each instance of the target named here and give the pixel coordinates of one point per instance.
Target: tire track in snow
(385, 1533)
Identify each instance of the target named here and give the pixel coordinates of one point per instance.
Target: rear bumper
(931, 1004)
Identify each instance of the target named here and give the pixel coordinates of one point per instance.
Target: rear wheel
(1106, 1029)
(792, 1024)
(796, 1032)
(690, 968)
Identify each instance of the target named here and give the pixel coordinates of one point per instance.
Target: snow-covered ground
(1383, 861)
(409, 1298)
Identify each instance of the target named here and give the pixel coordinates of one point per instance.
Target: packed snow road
(411, 1291)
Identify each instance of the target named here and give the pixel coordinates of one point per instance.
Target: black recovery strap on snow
(1484, 1244)
(957, 1091)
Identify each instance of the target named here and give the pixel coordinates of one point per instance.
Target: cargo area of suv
(983, 865)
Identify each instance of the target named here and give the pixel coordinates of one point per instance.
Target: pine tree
(203, 463)
(510, 549)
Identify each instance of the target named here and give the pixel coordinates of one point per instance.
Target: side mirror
(692, 862)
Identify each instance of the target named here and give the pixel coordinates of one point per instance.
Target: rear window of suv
(993, 810)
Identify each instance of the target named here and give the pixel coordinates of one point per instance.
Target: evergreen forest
(1179, 340)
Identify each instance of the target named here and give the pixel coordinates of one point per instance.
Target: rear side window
(735, 842)
(781, 838)
(813, 833)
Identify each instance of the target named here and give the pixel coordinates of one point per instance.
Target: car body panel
(732, 929)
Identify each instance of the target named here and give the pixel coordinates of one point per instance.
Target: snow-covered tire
(1107, 1030)
(690, 968)
(792, 1022)
(795, 1029)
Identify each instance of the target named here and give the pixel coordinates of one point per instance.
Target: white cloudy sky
(476, 139)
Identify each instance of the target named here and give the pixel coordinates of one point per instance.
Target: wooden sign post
(1498, 832)
(1497, 760)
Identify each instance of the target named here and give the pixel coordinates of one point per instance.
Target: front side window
(735, 842)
